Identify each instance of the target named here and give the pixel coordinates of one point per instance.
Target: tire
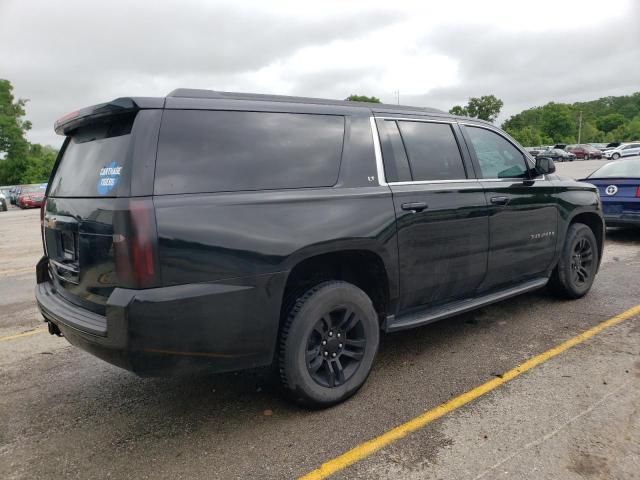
(576, 270)
(343, 317)
(615, 156)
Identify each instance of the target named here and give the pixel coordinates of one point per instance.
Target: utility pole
(580, 127)
(396, 93)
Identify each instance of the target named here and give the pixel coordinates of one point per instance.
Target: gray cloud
(65, 56)
(532, 68)
(81, 53)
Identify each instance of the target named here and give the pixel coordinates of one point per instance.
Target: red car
(585, 152)
(31, 197)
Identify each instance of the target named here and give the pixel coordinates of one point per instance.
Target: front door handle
(414, 206)
(500, 200)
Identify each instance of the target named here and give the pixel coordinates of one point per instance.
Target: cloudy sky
(65, 55)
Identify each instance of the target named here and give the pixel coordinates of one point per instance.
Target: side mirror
(545, 165)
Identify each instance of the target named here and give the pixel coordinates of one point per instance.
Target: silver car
(624, 150)
(3, 203)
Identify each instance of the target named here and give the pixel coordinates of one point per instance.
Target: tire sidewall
(575, 233)
(327, 296)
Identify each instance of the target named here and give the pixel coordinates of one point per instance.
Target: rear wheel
(576, 269)
(328, 344)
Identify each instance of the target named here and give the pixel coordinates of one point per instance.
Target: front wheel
(576, 269)
(328, 343)
(615, 156)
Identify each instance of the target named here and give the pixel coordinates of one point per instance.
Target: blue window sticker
(108, 179)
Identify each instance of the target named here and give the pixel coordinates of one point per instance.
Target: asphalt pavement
(66, 414)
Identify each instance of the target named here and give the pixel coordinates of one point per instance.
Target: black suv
(239, 230)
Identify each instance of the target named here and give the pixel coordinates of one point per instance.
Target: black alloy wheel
(335, 347)
(582, 262)
(328, 343)
(576, 269)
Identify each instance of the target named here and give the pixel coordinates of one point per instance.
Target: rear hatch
(97, 235)
(619, 195)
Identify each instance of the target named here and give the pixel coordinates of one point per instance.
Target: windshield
(619, 169)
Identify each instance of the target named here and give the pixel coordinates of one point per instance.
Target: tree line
(608, 119)
(21, 162)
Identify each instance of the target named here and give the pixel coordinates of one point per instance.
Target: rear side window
(432, 150)
(94, 161)
(396, 164)
(216, 151)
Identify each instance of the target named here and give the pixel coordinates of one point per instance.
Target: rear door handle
(500, 200)
(414, 206)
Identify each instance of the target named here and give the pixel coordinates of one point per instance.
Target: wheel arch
(364, 268)
(595, 222)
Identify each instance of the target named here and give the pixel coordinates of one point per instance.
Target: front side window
(497, 157)
(432, 150)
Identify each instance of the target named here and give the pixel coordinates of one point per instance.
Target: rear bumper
(220, 327)
(622, 220)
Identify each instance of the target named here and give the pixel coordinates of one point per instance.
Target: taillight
(135, 246)
(638, 192)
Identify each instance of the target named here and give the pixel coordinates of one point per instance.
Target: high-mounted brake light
(68, 116)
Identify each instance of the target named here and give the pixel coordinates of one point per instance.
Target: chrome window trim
(382, 181)
(431, 182)
(379, 160)
(380, 165)
(424, 120)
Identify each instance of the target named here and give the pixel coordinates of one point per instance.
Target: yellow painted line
(369, 447)
(24, 334)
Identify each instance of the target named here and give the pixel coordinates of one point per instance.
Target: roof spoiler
(121, 105)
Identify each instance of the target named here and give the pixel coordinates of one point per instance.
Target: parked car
(31, 196)
(13, 194)
(584, 152)
(3, 203)
(557, 155)
(598, 146)
(611, 146)
(619, 185)
(624, 150)
(291, 231)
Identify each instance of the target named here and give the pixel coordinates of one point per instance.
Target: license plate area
(612, 209)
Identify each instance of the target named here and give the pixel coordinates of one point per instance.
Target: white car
(3, 203)
(624, 150)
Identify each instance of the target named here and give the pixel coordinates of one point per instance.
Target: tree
(610, 122)
(458, 110)
(633, 129)
(12, 126)
(558, 122)
(362, 98)
(486, 107)
(529, 136)
(20, 161)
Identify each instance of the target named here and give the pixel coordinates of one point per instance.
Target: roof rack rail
(213, 94)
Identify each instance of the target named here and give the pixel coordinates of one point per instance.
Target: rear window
(621, 169)
(94, 162)
(215, 151)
